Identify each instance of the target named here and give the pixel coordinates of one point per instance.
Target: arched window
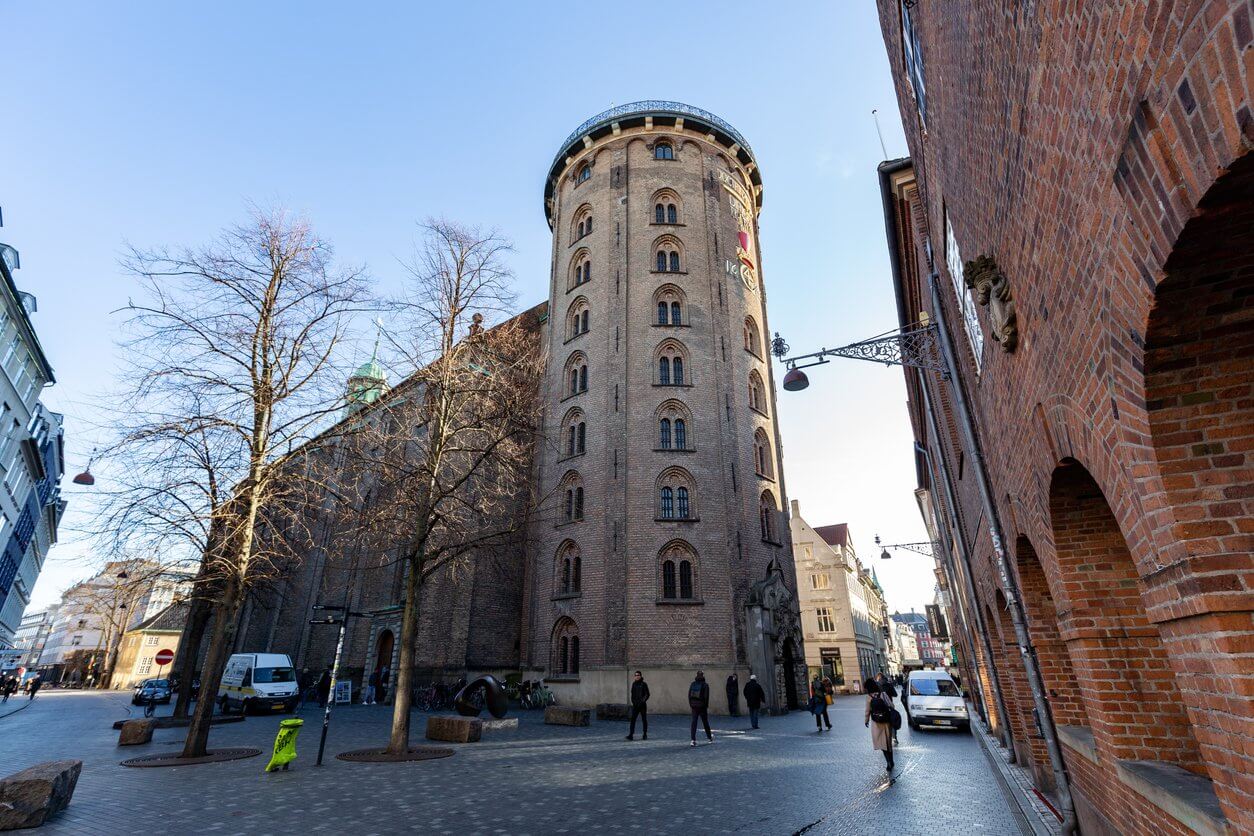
(762, 454)
(753, 342)
(659, 214)
(672, 214)
(564, 659)
(571, 490)
(662, 309)
(574, 432)
(757, 392)
(569, 568)
(673, 421)
(570, 448)
(579, 503)
(766, 514)
(671, 359)
(676, 314)
(583, 321)
(675, 495)
(577, 373)
(681, 434)
(577, 319)
(583, 378)
(667, 206)
(674, 262)
(580, 268)
(574, 381)
(664, 434)
(670, 301)
(582, 436)
(661, 261)
(584, 173)
(677, 564)
(663, 151)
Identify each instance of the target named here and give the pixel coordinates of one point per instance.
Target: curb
(1027, 815)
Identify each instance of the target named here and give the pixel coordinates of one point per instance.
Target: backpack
(881, 711)
(694, 693)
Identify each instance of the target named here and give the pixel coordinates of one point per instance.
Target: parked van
(258, 682)
(932, 698)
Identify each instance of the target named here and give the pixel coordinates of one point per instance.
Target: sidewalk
(1016, 782)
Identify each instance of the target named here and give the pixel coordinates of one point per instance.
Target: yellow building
(141, 643)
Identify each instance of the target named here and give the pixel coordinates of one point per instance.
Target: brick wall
(1100, 153)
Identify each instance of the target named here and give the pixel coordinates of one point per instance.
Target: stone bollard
(613, 711)
(30, 797)
(135, 732)
(560, 715)
(454, 729)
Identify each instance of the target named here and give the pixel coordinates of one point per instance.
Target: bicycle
(150, 707)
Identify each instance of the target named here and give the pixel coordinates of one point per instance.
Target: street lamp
(85, 478)
(927, 548)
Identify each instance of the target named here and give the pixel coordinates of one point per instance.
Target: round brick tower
(667, 547)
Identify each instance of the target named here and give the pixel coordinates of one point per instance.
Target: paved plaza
(783, 779)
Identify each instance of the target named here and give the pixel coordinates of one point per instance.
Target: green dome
(370, 370)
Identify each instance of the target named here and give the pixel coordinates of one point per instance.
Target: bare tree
(233, 352)
(448, 453)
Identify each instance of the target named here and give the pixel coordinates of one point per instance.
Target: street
(783, 779)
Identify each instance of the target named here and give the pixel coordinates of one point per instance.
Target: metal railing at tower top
(652, 107)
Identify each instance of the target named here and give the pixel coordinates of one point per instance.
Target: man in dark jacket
(639, 706)
(699, 702)
(733, 695)
(754, 697)
(324, 687)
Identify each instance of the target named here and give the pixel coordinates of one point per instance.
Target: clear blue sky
(155, 123)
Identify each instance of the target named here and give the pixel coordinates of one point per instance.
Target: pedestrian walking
(754, 697)
(699, 702)
(879, 712)
(7, 685)
(381, 691)
(639, 706)
(372, 686)
(733, 695)
(818, 704)
(890, 693)
(35, 685)
(324, 687)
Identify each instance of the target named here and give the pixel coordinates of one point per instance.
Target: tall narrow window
(664, 432)
(664, 371)
(682, 495)
(582, 436)
(661, 313)
(678, 368)
(566, 567)
(583, 322)
(570, 451)
(674, 262)
(668, 503)
(914, 61)
(575, 573)
(587, 225)
(685, 579)
(675, 314)
(668, 579)
(574, 381)
(565, 655)
(672, 214)
(681, 434)
(585, 172)
(579, 503)
(583, 378)
(570, 504)
(661, 261)
(574, 654)
(659, 214)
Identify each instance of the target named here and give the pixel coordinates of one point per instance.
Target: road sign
(164, 657)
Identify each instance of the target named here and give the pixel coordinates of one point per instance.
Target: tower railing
(659, 106)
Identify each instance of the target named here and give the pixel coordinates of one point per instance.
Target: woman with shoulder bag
(818, 704)
(880, 711)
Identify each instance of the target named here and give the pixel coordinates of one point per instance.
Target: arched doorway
(383, 650)
(1117, 654)
(790, 676)
(1199, 375)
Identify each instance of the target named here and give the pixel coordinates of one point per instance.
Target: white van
(932, 698)
(258, 682)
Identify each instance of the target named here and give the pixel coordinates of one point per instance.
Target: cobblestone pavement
(783, 779)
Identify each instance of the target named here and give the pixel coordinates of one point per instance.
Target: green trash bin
(285, 744)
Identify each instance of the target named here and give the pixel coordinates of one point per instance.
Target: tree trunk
(399, 742)
(193, 637)
(215, 660)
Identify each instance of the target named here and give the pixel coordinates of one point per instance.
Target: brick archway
(1199, 394)
(1134, 707)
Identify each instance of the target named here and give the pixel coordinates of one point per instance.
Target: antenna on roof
(875, 117)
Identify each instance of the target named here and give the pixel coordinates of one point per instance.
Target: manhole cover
(415, 753)
(216, 756)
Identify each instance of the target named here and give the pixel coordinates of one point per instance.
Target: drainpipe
(1009, 586)
(965, 591)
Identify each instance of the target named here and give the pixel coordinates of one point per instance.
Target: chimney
(796, 508)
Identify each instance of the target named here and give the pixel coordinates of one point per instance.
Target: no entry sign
(164, 657)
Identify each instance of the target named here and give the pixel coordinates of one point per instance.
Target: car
(158, 690)
(932, 698)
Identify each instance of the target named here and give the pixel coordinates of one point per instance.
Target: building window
(766, 514)
(664, 371)
(577, 321)
(585, 172)
(672, 418)
(670, 364)
(681, 494)
(820, 580)
(674, 488)
(757, 392)
(571, 563)
(577, 373)
(151, 641)
(664, 432)
(145, 666)
(826, 623)
(565, 648)
(753, 341)
(583, 222)
(572, 492)
(668, 502)
(681, 434)
(762, 454)
(668, 261)
(678, 564)
(663, 151)
(914, 60)
(669, 302)
(963, 294)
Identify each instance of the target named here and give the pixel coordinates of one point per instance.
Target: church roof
(834, 535)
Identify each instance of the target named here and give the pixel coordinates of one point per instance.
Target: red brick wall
(1074, 143)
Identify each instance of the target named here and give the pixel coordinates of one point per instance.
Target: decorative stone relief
(993, 291)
